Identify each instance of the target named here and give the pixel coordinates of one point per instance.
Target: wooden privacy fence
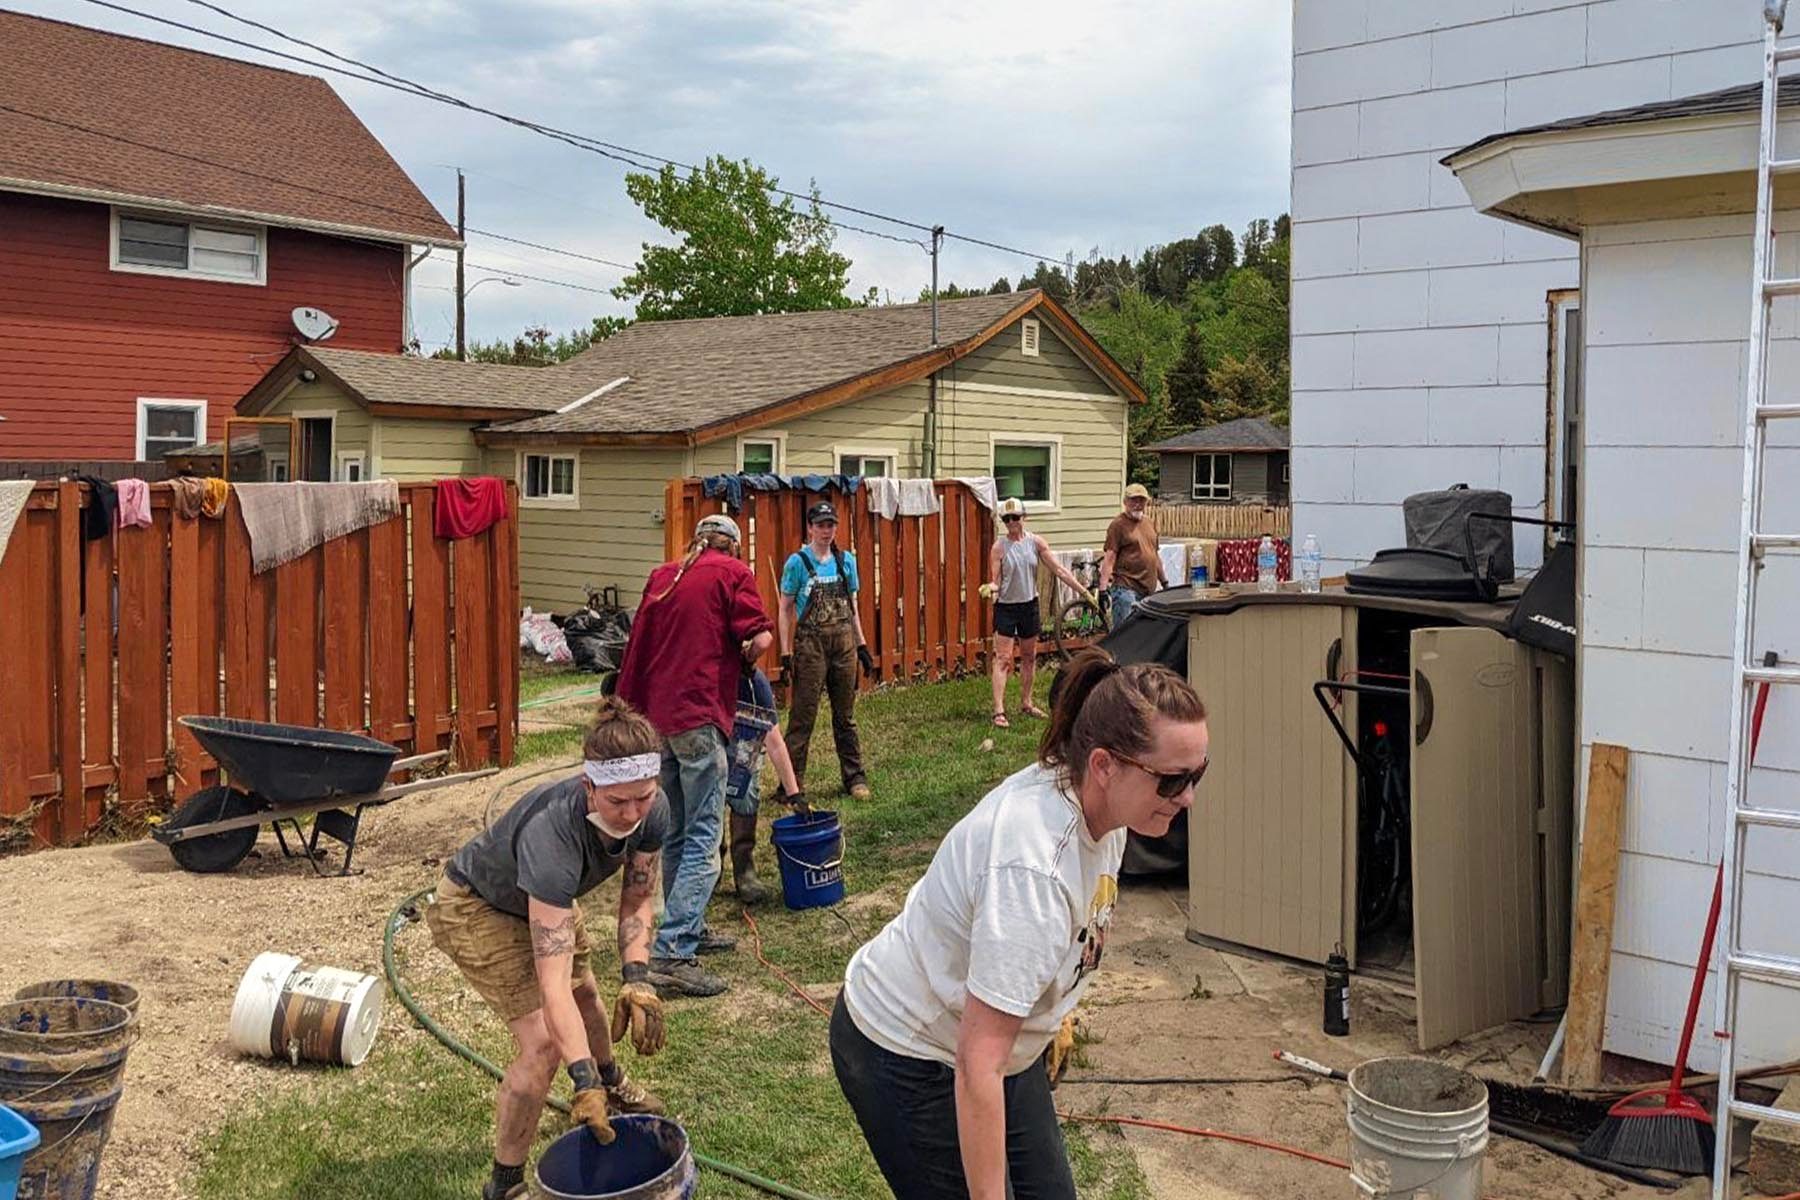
(1221, 520)
(390, 630)
(921, 611)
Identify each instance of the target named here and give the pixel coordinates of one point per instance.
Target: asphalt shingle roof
(1744, 98)
(92, 111)
(440, 382)
(1246, 433)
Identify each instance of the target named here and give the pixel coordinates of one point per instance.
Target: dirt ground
(128, 912)
(1160, 1006)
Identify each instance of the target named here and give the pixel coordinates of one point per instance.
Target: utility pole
(462, 235)
(928, 451)
(937, 242)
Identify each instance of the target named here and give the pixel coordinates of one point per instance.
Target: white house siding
(1420, 335)
(1666, 327)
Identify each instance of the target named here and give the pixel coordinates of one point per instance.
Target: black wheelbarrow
(278, 775)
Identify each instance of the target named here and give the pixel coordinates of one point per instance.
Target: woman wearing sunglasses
(941, 1031)
(1012, 586)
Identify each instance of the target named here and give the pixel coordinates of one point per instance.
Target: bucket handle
(833, 865)
(1377, 1189)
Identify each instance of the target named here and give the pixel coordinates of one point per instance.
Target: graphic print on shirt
(1092, 938)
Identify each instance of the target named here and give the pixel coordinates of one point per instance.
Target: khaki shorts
(493, 949)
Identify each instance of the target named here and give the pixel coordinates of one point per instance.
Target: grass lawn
(748, 1073)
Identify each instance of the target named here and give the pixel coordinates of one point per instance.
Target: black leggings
(907, 1110)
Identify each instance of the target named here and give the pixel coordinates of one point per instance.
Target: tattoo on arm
(550, 939)
(641, 874)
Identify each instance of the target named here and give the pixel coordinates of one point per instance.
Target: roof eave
(222, 212)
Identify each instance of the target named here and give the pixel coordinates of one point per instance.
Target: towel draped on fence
(285, 520)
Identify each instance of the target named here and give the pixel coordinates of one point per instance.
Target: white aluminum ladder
(1736, 963)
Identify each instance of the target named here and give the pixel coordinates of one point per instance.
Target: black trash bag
(597, 639)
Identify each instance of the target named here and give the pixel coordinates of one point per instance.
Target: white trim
(145, 403)
(572, 500)
(1031, 337)
(1003, 389)
(1052, 440)
(778, 436)
(598, 392)
(37, 187)
(345, 458)
(891, 453)
(1212, 476)
(259, 232)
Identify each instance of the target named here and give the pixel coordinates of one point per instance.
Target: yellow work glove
(1062, 1049)
(987, 591)
(589, 1108)
(639, 1010)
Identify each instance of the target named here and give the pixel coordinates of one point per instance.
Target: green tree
(740, 252)
(535, 347)
(1187, 381)
(1052, 280)
(1146, 336)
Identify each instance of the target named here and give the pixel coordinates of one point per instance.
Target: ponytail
(1097, 704)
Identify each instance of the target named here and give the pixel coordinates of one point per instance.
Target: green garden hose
(407, 910)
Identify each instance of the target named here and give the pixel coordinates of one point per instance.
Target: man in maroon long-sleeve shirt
(699, 620)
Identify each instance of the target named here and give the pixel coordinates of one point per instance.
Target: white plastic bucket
(1418, 1130)
(288, 1009)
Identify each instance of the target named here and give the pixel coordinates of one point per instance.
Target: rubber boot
(750, 890)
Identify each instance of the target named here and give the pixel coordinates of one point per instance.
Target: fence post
(69, 824)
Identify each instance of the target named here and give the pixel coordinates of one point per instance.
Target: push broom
(1664, 1128)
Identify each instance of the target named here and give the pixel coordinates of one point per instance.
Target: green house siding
(351, 424)
(1003, 361)
(409, 450)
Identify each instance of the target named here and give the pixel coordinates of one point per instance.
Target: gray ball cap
(718, 523)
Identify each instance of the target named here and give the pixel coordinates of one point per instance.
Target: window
(278, 469)
(350, 466)
(158, 246)
(165, 425)
(1212, 476)
(547, 480)
(762, 454)
(1028, 338)
(859, 460)
(1564, 459)
(1027, 470)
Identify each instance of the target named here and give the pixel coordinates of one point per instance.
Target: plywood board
(1596, 891)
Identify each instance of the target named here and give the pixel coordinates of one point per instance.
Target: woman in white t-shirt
(940, 1033)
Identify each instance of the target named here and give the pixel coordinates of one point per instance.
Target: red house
(164, 212)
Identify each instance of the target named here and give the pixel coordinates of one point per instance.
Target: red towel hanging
(466, 507)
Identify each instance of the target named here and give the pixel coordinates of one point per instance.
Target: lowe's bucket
(810, 848)
(62, 1068)
(648, 1159)
(1418, 1128)
(18, 1137)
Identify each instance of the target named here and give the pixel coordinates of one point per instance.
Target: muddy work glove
(638, 1010)
(866, 659)
(589, 1106)
(787, 667)
(1062, 1050)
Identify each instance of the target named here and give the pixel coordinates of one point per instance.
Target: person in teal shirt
(822, 644)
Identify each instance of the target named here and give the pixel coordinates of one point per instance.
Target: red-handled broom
(1666, 1129)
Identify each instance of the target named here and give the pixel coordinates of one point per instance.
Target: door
(1478, 877)
(1267, 842)
(315, 449)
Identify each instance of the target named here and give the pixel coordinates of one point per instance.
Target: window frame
(260, 232)
(775, 437)
(345, 458)
(1563, 420)
(859, 452)
(1054, 442)
(1212, 495)
(146, 403)
(551, 499)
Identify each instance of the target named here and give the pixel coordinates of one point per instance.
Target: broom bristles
(1676, 1142)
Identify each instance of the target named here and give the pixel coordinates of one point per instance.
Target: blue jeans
(693, 779)
(1123, 600)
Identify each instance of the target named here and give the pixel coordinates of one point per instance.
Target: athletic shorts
(1017, 620)
(493, 949)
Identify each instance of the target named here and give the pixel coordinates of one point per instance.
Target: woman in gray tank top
(1012, 585)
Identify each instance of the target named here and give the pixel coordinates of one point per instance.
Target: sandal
(1032, 710)
(1000, 721)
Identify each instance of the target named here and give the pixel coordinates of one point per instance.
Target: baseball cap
(1012, 506)
(718, 523)
(1137, 491)
(822, 511)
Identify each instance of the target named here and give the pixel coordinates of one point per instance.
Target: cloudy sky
(1051, 126)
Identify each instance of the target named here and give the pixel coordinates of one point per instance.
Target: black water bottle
(1337, 994)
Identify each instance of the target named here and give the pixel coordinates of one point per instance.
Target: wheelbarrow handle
(418, 760)
(1346, 685)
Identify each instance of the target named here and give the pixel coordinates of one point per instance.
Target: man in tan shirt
(1132, 567)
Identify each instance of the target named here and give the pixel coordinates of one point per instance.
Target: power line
(579, 287)
(620, 153)
(605, 262)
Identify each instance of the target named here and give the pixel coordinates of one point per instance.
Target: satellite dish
(314, 324)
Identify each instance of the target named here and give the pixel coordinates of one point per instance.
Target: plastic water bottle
(1311, 559)
(1265, 565)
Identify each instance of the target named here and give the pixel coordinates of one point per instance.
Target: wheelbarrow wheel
(212, 853)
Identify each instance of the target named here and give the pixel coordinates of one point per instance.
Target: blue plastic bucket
(745, 754)
(810, 848)
(18, 1137)
(649, 1159)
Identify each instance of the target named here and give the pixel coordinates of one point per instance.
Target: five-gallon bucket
(1417, 1128)
(810, 847)
(110, 990)
(62, 1068)
(649, 1159)
(745, 755)
(18, 1137)
(288, 1009)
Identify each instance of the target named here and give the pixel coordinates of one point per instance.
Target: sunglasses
(1168, 785)
(1010, 520)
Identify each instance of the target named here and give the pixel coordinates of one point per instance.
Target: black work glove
(797, 800)
(866, 659)
(787, 667)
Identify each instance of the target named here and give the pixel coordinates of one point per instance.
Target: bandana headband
(632, 769)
